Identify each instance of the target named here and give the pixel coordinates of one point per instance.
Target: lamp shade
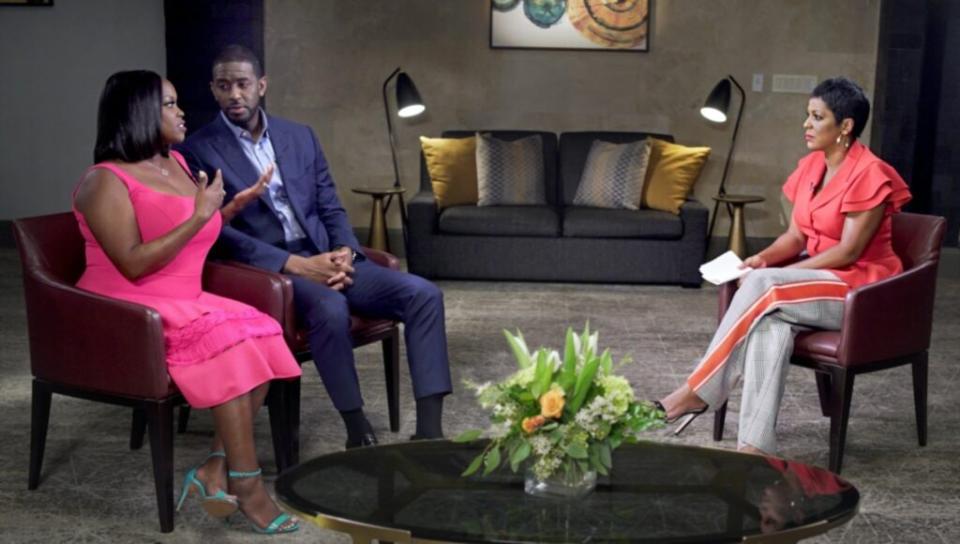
(409, 103)
(717, 104)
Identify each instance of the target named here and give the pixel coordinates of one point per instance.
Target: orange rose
(531, 424)
(551, 403)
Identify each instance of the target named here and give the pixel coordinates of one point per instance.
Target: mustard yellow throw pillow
(671, 174)
(452, 164)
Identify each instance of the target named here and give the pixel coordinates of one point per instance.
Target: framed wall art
(598, 25)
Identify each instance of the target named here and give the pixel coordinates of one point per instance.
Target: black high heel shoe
(690, 415)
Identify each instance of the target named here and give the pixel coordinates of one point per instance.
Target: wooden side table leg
(738, 236)
(377, 239)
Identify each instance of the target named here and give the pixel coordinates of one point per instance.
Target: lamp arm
(733, 140)
(393, 143)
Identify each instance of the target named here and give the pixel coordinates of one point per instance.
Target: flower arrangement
(567, 414)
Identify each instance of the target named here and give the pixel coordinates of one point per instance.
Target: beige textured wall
(326, 60)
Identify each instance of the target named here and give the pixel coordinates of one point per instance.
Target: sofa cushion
(584, 222)
(452, 164)
(672, 172)
(500, 221)
(613, 176)
(510, 172)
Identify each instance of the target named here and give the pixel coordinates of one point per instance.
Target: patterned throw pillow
(510, 173)
(613, 176)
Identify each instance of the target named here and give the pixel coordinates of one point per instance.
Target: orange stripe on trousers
(775, 296)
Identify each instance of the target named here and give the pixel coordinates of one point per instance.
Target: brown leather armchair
(98, 348)
(363, 330)
(885, 324)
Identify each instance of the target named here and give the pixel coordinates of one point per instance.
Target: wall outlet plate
(790, 83)
(757, 85)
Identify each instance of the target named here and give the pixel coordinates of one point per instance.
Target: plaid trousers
(755, 339)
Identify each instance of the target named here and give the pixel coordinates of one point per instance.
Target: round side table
(377, 239)
(738, 235)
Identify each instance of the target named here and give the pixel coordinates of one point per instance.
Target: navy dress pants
(381, 292)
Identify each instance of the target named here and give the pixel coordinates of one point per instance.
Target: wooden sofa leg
(920, 380)
(160, 424)
(391, 370)
(840, 395)
(39, 422)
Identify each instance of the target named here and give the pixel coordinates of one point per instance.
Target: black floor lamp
(409, 104)
(715, 110)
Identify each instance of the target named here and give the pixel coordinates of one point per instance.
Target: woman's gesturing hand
(248, 195)
(209, 195)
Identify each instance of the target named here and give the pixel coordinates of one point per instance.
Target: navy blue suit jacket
(254, 234)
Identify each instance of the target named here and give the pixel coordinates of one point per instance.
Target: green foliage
(599, 412)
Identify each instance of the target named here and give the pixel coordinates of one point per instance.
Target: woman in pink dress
(148, 227)
(843, 199)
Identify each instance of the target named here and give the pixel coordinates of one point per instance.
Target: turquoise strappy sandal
(218, 505)
(279, 525)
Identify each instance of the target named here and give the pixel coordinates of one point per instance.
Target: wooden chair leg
(719, 417)
(160, 424)
(183, 417)
(391, 369)
(920, 396)
(39, 422)
(138, 428)
(823, 390)
(279, 406)
(840, 395)
(293, 420)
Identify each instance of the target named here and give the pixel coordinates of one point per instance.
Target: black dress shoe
(366, 439)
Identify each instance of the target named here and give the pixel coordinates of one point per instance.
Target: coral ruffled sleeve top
(862, 183)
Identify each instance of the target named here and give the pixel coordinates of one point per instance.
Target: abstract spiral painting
(622, 25)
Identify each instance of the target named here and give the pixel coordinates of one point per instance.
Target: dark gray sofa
(558, 241)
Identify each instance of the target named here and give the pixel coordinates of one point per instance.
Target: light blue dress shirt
(261, 155)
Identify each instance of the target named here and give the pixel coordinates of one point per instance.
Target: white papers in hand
(724, 268)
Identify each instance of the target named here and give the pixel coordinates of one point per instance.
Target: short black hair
(846, 100)
(128, 119)
(238, 53)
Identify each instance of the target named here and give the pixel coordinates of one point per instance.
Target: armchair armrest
(268, 291)
(94, 342)
(382, 258)
(890, 318)
(422, 215)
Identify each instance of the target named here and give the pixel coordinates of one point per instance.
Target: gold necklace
(163, 171)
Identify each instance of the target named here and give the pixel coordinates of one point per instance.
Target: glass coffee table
(413, 492)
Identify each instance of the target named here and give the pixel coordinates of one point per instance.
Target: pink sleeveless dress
(217, 348)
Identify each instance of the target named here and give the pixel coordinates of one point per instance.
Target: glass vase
(564, 483)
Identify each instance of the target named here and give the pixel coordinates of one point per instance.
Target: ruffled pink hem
(236, 371)
(215, 332)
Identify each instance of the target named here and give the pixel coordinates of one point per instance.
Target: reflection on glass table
(413, 492)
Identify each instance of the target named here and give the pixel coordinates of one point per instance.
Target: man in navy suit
(299, 227)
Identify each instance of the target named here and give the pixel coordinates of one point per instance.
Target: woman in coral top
(147, 227)
(843, 197)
